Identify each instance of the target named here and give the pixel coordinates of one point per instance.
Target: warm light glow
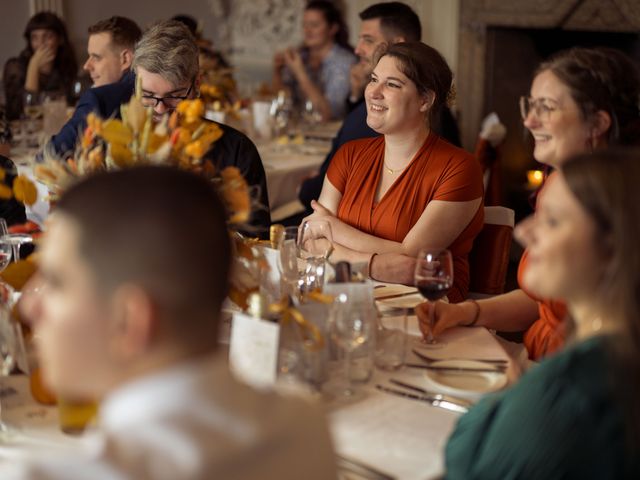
(534, 178)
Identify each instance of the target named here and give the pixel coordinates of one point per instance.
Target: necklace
(391, 171)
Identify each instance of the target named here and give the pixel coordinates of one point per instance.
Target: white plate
(470, 385)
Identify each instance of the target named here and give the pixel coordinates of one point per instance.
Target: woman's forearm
(32, 79)
(514, 311)
(360, 241)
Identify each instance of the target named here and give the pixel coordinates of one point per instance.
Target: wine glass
(315, 245)
(350, 327)
(12, 240)
(32, 107)
(433, 278)
(5, 247)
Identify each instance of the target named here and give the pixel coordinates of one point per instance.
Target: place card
(253, 350)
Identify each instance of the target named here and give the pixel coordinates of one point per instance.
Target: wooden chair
(489, 257)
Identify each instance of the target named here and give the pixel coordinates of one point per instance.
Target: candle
(534, 178)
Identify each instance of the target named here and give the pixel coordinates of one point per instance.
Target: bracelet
(477, 315)
(369, 266)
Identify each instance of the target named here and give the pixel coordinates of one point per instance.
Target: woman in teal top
(576, 415)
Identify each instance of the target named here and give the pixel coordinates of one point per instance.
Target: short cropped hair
(168, 49)
(125, 33)
(162, 229)
(396, 19)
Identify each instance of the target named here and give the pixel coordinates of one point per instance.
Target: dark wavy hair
(65, 61)
(332, 16)
(602, 79)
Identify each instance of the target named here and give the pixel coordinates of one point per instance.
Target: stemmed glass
(32, 107)
(433, 278)
(315, 245)
(5, 246)
(13, 240)
(350, 328)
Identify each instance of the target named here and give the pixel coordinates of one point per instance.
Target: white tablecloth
(401, 437)
(287, 165)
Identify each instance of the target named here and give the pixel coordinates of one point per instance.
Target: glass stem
(432, 320)
(347, 370)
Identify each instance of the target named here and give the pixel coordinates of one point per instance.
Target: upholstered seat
(489, 257)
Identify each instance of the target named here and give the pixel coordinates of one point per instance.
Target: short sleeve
(338, 171)
(461, 179)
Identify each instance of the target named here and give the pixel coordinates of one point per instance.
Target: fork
(493, 361)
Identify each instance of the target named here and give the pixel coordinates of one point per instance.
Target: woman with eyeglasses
(581, 100)
(576, 415)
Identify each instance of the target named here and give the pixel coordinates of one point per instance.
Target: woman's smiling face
(557, 124)
(393, 101)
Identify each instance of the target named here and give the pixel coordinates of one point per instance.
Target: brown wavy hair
(602, 79)
(426, 68)
(606, 185)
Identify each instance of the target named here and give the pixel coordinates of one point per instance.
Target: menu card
(253, 350)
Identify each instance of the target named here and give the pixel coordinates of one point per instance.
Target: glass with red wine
(433, 278)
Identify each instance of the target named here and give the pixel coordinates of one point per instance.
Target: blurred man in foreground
(131, 295)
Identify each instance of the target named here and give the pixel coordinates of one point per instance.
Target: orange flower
(24, 190)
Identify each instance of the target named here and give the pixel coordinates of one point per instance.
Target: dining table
(377, 434)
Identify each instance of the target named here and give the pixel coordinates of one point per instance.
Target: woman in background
(318, 72)
(576, 415)
(47, 64)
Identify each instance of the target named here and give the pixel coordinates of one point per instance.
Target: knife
(360, 469)
(433, 400)
(441, 396)
(442, 368)
(397, 295)
(496, 361)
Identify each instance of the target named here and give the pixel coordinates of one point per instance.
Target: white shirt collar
(145, 398)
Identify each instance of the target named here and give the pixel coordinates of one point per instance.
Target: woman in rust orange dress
(581, 99)
(408, 188)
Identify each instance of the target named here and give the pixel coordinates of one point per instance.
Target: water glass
(391, 339)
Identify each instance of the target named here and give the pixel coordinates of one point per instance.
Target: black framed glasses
(170, 102)
(543, 107)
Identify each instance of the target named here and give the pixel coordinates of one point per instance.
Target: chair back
(489, 257)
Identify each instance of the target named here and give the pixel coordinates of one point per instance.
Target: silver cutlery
(397, 295)
(360, 469)
(496, 361)
(418, 389)
(442, 368)
(439, 401)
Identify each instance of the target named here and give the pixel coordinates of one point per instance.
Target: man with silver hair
(166, 61)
